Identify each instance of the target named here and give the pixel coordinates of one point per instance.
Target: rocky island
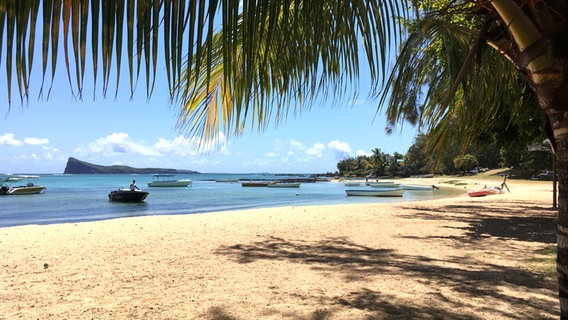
(76, 166)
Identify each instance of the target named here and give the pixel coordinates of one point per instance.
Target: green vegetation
(523, 161)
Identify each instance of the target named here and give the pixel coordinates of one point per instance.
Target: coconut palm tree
(231, 63)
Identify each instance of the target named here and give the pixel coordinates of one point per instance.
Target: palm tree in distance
(228, 65)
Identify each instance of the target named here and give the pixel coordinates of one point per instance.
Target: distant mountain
(75, 166)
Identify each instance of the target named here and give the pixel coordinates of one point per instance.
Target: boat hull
(417, 187)
(376, 193)
(127, 196)
(256, 183)
(383, 185)
(485, 192)
(25, 190)
(284, 185)
(169, 184)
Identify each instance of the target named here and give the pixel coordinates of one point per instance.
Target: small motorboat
(486, 191)
(13, 185)
(127, 195)
(378, 192)
(384, 184)
(417, 187)
(284, 185)
(168, 180)
(256, 183)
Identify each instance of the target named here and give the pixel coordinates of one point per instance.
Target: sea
(84, 197)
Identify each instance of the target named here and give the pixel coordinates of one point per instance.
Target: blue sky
(38, 136)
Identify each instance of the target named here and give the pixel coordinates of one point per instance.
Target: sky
(39, 135)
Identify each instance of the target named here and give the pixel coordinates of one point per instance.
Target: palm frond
(277, 57)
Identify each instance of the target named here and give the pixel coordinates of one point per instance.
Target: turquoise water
(80, 198)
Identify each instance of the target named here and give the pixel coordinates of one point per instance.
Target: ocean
(82, 198)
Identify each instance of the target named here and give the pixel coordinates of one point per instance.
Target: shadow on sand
(516, 221)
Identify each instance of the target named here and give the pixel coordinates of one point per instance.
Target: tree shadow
(355, 261)
(513, 220)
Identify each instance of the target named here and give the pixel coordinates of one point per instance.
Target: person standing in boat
(133, 186)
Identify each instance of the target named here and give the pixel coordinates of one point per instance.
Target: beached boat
(253, 183)
(383, 184)
(168, 180)
(127, 195)
(379, 192)
(13, 185)
(418, 187)
(284, 185)
(486, 191)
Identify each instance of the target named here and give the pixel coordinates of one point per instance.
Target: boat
(380, 192)
(30, 186)
(418, 187)
(352, 184)
(168, 180)
(386, 184)
(486, 191)
(284, 185)
(127, 195)
(227, 180)
(253, 183)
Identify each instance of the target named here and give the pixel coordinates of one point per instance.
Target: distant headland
(76, 166)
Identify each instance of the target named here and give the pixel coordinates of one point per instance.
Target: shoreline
(454, 258)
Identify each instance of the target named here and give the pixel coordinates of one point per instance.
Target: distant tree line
(523, 158)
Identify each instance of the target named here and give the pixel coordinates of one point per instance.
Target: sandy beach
(457, 258)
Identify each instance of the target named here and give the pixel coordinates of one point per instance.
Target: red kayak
(485, 192)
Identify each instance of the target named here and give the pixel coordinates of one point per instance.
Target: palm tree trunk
(562, 240)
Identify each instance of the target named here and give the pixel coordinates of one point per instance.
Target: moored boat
(386, 184)
(13, 186)
(379, 192)
(126, 195)
(168, 180)
(253, 183)
(284, 185)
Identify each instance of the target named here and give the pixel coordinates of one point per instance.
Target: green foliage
(465, 162)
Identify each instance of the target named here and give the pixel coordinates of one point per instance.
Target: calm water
(78, 198)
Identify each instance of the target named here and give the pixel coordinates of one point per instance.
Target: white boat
(168, 180)
(14, 185)
(284, 185)
(418, 187)
(379, 192)
(385, 184)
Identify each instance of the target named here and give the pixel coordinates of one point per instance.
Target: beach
(454, 258)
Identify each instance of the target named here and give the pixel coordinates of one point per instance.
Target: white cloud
(342, 149)
(36, 141)
(297, 145)
(9, 140)
(316, 151)
(115, 144)
(288, 157)
(363, 153)
(121, 143)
